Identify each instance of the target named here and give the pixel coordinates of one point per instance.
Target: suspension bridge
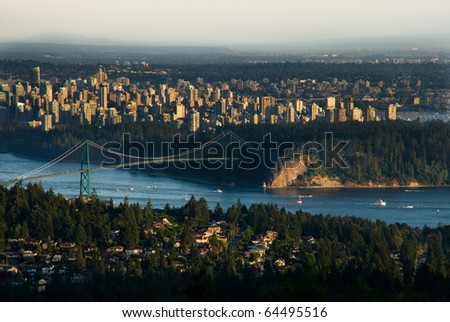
(88, 157)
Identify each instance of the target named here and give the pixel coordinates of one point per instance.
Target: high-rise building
(2, 97)
(255, 118)
(193, 94)
(137, 98)
(342, 115)
(266, 102)
(331, 102)
(290, 115)
(47, 89)
(356, 114)
(64, 93)
(19, 90)
(350, 106)
(216, 95)
(104, 95)
(370, 114)
(273, 119)
(180, 112)
(35, 76)
(101, 75)
(47, 124)
(391, 112)
(299, 106)
(194, 121)
(314, 111)
(330, 115)
(162, 90)
(5, 88)
(222, 106)
(54, 108)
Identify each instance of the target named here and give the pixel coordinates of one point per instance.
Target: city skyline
(250, 22)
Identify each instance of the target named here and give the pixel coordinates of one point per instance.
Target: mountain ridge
(424, 41)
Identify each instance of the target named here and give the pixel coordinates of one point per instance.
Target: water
(431, 205)
(424, 116)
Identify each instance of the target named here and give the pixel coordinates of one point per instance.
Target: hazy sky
(222, 22)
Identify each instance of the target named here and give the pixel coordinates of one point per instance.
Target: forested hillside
(99, 251)
(377, 152)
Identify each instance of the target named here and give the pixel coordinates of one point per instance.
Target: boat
(299, 200)
(408, 207)
(380, 202)
(264, 185)
(186, 197)
(117, 189)
(218, 191)
(306, 196)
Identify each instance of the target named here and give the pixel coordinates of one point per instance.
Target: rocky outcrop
(288, 174)
(290, 171)
(324, 181)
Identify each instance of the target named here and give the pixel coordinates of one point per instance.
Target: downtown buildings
(111, 96)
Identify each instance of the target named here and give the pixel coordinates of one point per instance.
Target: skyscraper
(330, 115)
(48, 122)
(391, 112)
(193, 93)
(299, 106)
(104, 95)
(216, 95)
(35, 76)
(194, 121)
(290, 115)
(266, 102)
(356, 114)
(331, 102)
(48, 90)
(370, 114)
(342, 115)
(180, 112)
(314, 111)
(101, 75)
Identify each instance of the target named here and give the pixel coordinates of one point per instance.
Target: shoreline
(221, 184)
(360, 187)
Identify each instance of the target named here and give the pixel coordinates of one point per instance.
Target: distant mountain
(66, 47)
(85, 50)
(62, 42)
(433, 41)
(65, 38)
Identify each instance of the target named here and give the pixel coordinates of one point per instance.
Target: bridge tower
(85, 174)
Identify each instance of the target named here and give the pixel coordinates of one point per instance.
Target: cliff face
(288, 174)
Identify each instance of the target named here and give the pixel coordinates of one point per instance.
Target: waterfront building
(391, 112)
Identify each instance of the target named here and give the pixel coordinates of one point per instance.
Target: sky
(223, 22)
